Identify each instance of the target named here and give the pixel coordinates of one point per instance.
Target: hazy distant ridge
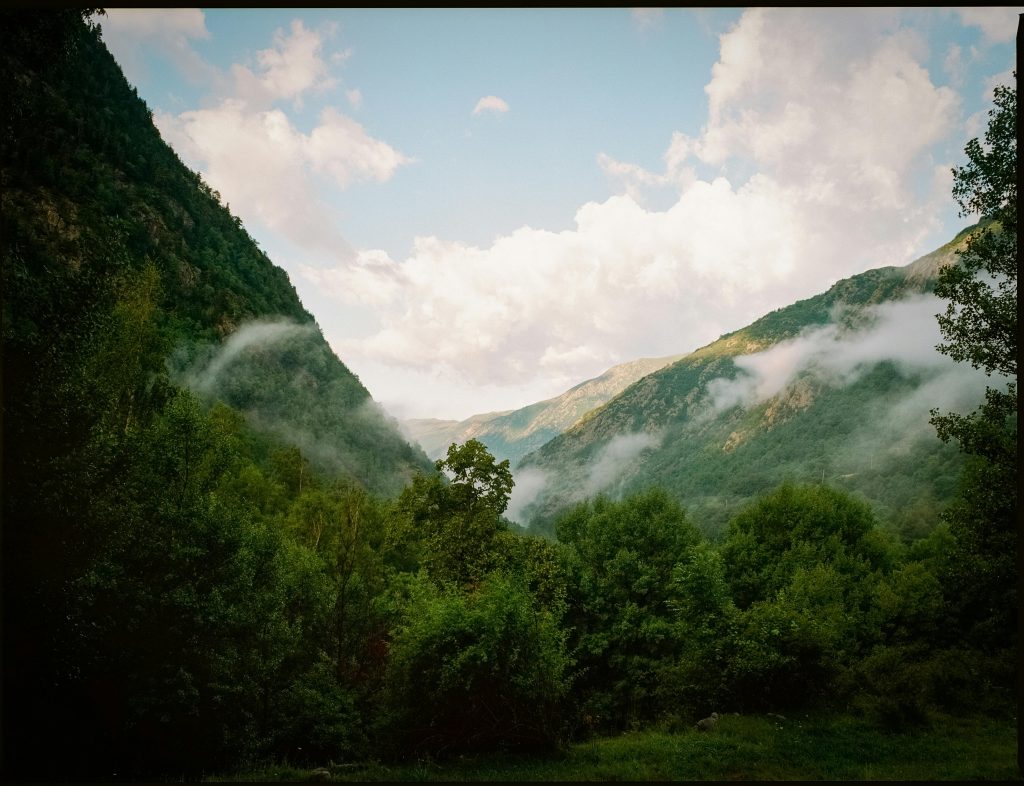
(514, 433)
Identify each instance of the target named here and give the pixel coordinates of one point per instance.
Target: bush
(625, 634)
(483, 670)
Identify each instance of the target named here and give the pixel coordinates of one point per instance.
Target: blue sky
(484, 207)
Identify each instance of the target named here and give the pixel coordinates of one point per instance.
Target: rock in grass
(707, 724)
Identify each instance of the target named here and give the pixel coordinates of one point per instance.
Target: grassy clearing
(740, 748)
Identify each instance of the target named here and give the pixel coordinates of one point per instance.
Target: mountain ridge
(106, 228)
(660, 432)
(511, 434)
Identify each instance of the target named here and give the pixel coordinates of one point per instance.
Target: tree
(626, 636)
(799, 527)
(980, 327)
(980, 322)
(473, 671)
(477, 480)
(457, 515)
(802, 563)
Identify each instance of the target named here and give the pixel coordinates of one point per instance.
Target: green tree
(980, 327)
(478, 670)
(477, 480)
(708, 618)
(626, 637)
(799, 527)
(802, 563)
(980, 322)
(456, 513)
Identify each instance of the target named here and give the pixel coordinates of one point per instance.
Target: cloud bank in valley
(530, 483)
(903, 332)
(615, 458)
(601, 475)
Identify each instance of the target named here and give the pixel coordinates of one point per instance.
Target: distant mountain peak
(514, 433)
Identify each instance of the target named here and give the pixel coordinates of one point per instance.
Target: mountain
(165, 398)
(514, 433)
(110, 242)
(836, 388)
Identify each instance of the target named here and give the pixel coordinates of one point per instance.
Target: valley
(787, 554)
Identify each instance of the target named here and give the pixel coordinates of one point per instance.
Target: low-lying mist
(289, 384)
(204, 375)
(904, 333)
(602, 475)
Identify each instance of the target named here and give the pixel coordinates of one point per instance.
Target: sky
(484, 207)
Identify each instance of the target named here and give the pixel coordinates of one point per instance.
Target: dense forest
(218, 551)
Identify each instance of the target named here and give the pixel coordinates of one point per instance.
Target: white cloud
(490, 104)
(825, 97)
(635, 179)
(128, 32)
(225, 141)
(953, 64)
(998, 24)
(615, 458)
(564, 305)
(243, 127)
(355, 98)
(341, 147)
(242, 142)
(293, 66)
(529, 483)
(204, 377)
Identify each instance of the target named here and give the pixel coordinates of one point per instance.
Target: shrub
(473, 671)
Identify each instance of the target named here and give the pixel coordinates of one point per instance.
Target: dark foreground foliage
(742, 748)
(188, 590)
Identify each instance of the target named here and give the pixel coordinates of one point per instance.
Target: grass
(827, 747)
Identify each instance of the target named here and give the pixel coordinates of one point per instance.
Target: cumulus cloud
(243, 123)
(490, 104)
(635, 180)
(287, 70)
(129, 31)
(224, 141)
(998, 24)
(824, 120)
(570, 303)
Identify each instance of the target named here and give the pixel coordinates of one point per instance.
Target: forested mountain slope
(512, 434)
(109, 237)
(829, 403)
(170, 410)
